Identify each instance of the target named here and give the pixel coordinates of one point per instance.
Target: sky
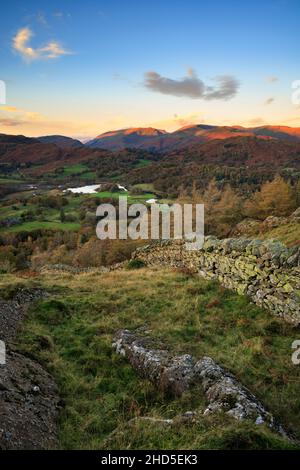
(82, 68)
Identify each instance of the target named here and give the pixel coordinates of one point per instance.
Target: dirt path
(29, 400)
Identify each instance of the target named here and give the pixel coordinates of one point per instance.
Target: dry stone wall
(267, 271)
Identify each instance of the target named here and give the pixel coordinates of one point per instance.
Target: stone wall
(266, 271)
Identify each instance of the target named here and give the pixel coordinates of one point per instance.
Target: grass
(88, 175)
(142, 163)
(14, 210)
(75, 169)
(10, 180)
(36, 224)
(289, 233)
(79, 170)
(71, 334)
(145, 186)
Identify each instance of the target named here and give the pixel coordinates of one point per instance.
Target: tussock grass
(289, 233)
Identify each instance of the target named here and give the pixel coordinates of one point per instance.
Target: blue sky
(81, 68)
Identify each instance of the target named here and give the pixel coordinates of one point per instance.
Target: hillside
(38, 157)
(200, 145)
(61, 141)
(106, 403)
(243, 151)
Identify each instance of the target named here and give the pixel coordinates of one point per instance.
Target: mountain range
(231, 146)
(159, 140)
(152, 139)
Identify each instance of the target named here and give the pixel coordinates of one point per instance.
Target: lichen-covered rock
(176, 374)
(170, 374)
(210, 243)
(225, 393)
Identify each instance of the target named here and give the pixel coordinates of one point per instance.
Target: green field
(142, 163)
(35, 225)
(48, 218)
(10, 180)
(79, 170)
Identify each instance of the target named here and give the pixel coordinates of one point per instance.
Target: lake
(90, 189)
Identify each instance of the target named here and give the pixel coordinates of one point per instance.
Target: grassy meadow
(71, 333)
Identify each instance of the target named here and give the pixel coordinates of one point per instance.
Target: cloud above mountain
(21, 44)
(21, 113)
(269, 101)
(272, 79)
(9, 122)
(191, 86)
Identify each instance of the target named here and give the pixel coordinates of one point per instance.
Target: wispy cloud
(62, 15)
(272, 79)
(58, 14)
(7, 122)
(41, 18)
(9, 109)
(269, 101)
(33, 123)
(21, 41)
(176, 121)
(191, 86)
(257, 121)
(31, 115)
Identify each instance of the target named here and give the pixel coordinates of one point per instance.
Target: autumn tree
(228, 211)
(211, 197)
(274, 198)
(297, 194)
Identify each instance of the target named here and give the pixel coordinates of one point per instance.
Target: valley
(50, 189)
(149, 233)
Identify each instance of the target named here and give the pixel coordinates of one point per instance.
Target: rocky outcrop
(12, 311)
(29, 400)
(177, 374)
(172, 374)
(266, 271)
(224, 392)
(29, 404)
(252, 227)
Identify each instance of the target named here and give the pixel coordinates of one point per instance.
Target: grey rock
(180, 373)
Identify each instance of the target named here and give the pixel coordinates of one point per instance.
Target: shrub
(135, 264)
